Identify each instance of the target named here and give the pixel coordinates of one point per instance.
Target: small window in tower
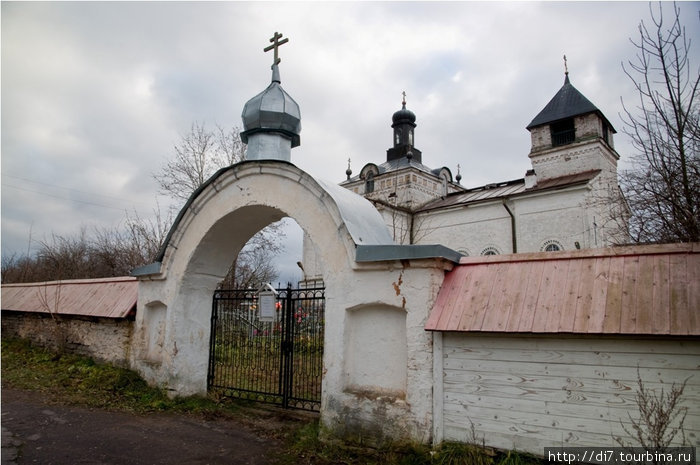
(369, 183)
(410, 137)
(397, 136)
(563, 132)
(606, 134)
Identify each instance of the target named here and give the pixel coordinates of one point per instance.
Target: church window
(490, 251)
(369, 183)
(563, 132)
(397, 136)
(410, 137)
(551, 246)
(606, 134)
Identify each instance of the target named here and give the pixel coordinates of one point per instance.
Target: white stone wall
(574, 158)
(375, 409)
(103, 339)
(563, 216)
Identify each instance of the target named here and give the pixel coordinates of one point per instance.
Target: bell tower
(571, 136)
(404, 124)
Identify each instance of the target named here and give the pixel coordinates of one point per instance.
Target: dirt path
(36, 432)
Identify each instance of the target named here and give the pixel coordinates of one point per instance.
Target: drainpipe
(512, 225)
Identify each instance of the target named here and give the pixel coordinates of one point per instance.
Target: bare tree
(663, 187)
(102, 252)
(198, 156)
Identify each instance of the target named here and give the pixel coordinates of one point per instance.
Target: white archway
(362, 269)
(211, 229)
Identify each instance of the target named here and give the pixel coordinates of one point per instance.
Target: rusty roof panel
(104, 297)
(640, 290)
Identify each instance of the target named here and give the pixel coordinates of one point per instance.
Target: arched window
(490, 251)
(369, 183)
(551, 246)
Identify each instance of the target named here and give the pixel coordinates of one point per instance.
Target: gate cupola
(404, 124)
(271, 119)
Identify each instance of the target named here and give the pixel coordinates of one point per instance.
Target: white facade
(569, 200)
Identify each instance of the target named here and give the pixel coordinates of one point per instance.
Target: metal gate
(278, 361)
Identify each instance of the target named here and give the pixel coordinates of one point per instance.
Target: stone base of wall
(103, 339)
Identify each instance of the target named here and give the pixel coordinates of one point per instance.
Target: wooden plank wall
(531, 392)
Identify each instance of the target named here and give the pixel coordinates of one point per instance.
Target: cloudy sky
(95, 95)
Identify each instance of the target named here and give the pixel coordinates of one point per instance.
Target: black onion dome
(403, 116)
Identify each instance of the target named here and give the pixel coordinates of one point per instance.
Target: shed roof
(104, 297)
(637, 290)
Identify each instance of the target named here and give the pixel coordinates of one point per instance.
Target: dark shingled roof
(567, 103)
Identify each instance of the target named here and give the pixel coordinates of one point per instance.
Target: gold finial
(403, 100)
(566, 67)
(275, 45)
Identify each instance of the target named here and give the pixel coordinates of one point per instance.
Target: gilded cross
(275, 45)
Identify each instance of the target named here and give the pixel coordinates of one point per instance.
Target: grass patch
(73, 379)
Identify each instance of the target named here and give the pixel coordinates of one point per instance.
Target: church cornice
(582, 146)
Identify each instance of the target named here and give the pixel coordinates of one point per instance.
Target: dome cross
(275, 46)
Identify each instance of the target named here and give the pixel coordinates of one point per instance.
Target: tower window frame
(563, 132)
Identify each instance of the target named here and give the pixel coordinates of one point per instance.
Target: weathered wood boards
(531, 392)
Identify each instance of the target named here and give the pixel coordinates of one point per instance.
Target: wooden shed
(544, 350)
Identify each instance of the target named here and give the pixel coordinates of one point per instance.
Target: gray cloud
(95, 95)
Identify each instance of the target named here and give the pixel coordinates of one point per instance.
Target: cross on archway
(275, 46)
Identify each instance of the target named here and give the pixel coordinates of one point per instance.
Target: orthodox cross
(566, 67)
(403, 101)
(275, 45)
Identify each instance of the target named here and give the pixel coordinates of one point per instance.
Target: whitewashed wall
(527, 393)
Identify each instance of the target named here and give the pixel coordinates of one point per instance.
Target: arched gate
(275, 358)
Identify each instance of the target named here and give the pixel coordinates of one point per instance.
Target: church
(569, 200)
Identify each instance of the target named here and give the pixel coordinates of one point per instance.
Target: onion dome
(272, 111)
(403, 124)
(403, 116)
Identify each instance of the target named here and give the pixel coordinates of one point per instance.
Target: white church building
(569, 200)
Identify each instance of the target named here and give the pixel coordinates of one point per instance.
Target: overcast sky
(95, 95)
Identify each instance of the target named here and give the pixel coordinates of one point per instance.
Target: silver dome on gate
(272, 111)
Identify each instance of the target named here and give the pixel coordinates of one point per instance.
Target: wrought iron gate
(278, 361)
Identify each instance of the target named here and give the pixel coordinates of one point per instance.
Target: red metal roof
(652, 289)
(105, 297)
